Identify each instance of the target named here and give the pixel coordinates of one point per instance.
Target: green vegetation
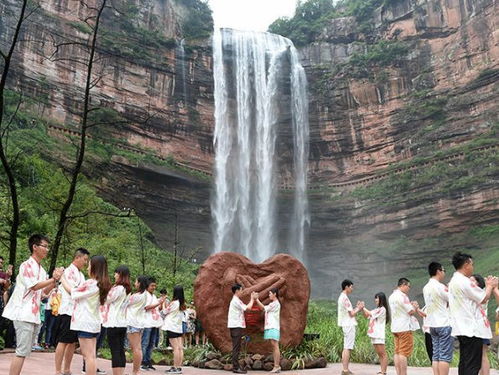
(81, 26)
(95, 224)
(199, 21)
(311, 16)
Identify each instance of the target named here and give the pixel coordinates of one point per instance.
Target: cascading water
(254, 73)
(181, 62)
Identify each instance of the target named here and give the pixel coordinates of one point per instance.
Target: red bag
(254, 316)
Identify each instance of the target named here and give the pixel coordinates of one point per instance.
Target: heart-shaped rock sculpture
(212, 296)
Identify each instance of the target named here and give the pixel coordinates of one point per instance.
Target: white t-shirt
(113, 312)
(136, 311)
(344, 306)
(436, 297)
(173, 317)
(86, 313)
(273, 315)
(465, 299)
(400, 307)
(153, 318)
(24, 304)
(75, 278)
(377, 323)
(236, 313)
(483, 321)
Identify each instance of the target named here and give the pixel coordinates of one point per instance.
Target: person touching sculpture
(237, 324)
(272, 327)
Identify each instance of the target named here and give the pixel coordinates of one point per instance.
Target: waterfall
(254, 74)
(181, 63)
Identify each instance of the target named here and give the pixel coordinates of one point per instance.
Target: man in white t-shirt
(465, 298)
(152, 323)
(23, 307)
(347, 321)
(66, 338)
(403, 324)
(436, 296)
(237, 324)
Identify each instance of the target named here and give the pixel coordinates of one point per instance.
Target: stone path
(43, 364)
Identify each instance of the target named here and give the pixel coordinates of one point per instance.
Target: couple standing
(236, 324)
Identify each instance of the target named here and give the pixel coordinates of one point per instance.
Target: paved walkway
(43, 364)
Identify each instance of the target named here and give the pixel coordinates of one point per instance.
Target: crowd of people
(87, 310)
(457, 311)
(68, 309)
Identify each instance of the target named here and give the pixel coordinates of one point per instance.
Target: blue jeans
(443, 344)
(148, 339)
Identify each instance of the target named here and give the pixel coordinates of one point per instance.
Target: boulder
(286, 364)
(214, 364)
(212, 355)
(257, 365)
(316, 363)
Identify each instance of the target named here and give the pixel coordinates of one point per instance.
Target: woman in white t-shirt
(113, 314)
(376, 329)
(484, 326)
(86, 319)
(272, 327)
(174, 313)
(135, 319)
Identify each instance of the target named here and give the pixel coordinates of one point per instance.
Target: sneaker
(151, 367)
(179, 370)
(239, 371)
(101, 372)
(172, 370)
(36, 347)
(144, 367)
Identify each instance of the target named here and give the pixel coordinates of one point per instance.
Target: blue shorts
(130, 329)
(87, 335)
(271, 334)
(443, 344)
(486, 342)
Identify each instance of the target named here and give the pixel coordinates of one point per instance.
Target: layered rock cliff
(403, 122)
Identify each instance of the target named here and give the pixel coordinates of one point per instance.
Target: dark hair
(1, 257)
(178, 295)
(459, 259)
(403, 281)
(433, 267)
(36, 239)
(480, 281)
(124, 279)
(275, 291)
(143, 283)
(346, 283)
(98, 271)
(80, 252)
(383, 302)
(163, 291)
(236, 287)
(152, 279)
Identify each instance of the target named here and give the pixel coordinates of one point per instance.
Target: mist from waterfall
(253, 74)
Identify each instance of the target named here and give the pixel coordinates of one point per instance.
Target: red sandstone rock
(212, 295)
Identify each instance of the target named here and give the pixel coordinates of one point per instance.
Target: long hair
(98, 271)
(143, 283)
(383, 303)
(178, 295)
(480, 281)
(124, 279)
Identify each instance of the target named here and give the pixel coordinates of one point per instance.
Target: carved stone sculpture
(212, 295)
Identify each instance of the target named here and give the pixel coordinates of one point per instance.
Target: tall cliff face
(162, 98)
(402, 122)
(397, 119)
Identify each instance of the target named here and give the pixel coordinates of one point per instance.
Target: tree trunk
(63, 217)
(11, 181)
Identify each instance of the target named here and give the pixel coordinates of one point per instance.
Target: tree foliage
(199, 21)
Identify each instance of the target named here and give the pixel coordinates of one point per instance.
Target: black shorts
(173, 335)
(64, 333)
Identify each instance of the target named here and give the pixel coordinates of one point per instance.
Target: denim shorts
(130, 329)
(443, 344)
(87, 335)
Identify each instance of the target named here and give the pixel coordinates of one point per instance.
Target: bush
(199, 21)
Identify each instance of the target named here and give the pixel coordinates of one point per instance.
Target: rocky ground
(45, 361)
